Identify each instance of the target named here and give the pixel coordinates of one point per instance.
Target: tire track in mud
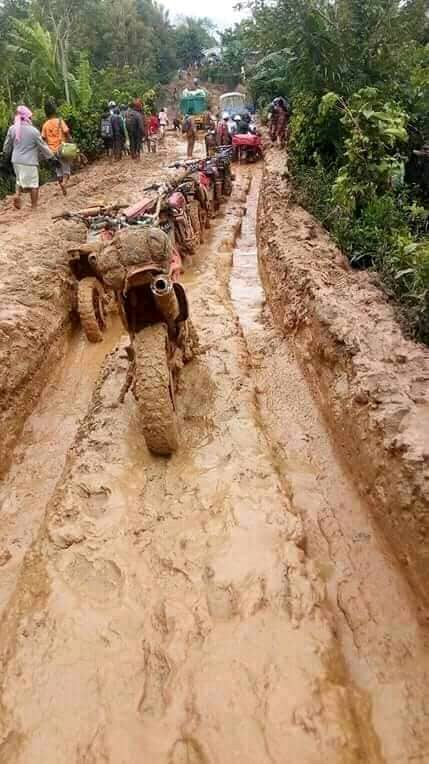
(167, 608)
(375, 614)
(40, 457)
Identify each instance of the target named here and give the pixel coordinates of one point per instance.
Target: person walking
(135, 129)
(118, 134)
(223, 136)
(123, 111)
(106, 131)
(152, 132)
(279, 120)
(163, 121)
(55, 132)
(24, 145)
(189, 129)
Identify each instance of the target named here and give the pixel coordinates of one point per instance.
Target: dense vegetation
(84, 53)
(357, 72)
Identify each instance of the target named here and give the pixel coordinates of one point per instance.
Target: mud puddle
(167, 610)
(40, 457)
(374, 612)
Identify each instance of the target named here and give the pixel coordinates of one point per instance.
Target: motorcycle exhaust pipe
(165, 297)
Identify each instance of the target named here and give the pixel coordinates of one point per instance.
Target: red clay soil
(370, 381)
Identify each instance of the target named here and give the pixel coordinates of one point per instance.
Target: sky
(221, 11)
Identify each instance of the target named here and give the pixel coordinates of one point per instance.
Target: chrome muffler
(165, 297)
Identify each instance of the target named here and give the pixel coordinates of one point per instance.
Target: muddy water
(166, 610)
(385, 649)
(40, 457)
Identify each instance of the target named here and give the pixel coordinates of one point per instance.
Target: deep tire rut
(174, 601)
(182, 610)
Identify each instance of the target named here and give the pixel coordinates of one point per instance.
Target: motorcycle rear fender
(144, 205)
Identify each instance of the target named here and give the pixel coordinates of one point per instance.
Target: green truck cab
(196, 104)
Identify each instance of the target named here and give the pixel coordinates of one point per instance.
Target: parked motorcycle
(198, 188)
(223, 159)
(101, 223)
(172, 211)
(139, 266)
(247, 147)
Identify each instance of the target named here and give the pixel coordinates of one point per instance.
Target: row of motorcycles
(134, 255)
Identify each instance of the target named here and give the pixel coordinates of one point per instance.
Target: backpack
(106, 127)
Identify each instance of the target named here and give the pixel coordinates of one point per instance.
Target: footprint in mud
(187, 751)
(100, 580)
(157, 671)
(95, 499)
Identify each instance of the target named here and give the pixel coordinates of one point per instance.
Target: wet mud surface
(372, 383)
(225, 605)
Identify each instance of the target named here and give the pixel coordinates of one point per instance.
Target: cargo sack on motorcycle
(108, 264)
(140, 246)
(134, 246)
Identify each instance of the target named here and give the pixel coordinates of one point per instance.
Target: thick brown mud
(371, 382)
(374, 611)
(225, 605)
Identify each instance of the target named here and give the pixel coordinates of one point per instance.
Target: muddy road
(234, 603)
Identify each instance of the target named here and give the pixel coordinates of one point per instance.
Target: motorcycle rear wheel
(90, 301)
(154, 390)
(194, 214)
(227, 185)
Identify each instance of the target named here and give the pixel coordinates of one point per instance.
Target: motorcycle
(92, 299)
(223, 158)
(247, 147)
(198, 188)
(139, 266)
(172, 212)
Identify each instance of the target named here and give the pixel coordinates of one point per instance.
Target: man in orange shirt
(55, 132)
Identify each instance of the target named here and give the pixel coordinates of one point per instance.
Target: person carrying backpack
(106, 131)
(119, 134)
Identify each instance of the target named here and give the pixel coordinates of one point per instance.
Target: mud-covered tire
(186, 243)
(153, 389)
(194, 214)
(90, 303)
(227, 185)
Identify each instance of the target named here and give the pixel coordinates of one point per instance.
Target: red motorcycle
(247, 147)
(170, 211)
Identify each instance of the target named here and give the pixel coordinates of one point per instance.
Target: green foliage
(227, 70)
(85, 127)
(192, 37)
(35, 51)
(82, 84)
(357, 72)
(375, 131)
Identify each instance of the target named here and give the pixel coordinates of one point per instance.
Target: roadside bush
(85, 127)
(348, 169)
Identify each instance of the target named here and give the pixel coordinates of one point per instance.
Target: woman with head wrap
(24, 146)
